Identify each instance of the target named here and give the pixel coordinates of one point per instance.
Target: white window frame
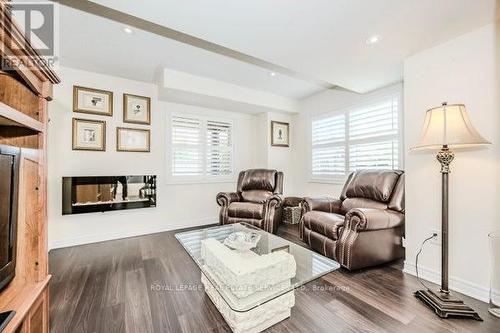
(171, 179)
(347, 143)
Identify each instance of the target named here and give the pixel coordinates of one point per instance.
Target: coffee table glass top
(310, 265)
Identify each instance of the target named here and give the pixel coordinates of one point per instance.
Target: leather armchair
(365, 226)
(257, 200)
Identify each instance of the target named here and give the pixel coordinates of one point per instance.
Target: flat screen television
(9, 179)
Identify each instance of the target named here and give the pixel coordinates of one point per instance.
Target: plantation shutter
(328, 147)
(366, 137)
(187, 152)
(201, 148)
(377, 155)
(373, 136)
(219, 148)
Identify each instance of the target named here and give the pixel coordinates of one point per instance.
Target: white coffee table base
(255, 320)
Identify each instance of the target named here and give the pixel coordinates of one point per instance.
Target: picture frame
(88, 135)
(92, 101)
(136, 109)
(136, 140)
(280, 134)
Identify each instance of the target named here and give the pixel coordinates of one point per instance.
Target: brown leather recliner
(365, 226)
(257, 200)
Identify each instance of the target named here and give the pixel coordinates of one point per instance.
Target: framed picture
(133, 140)
(93, 101)
(280, 134)
(136, 109)
(89, 134)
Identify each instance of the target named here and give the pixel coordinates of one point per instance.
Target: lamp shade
(449, 125)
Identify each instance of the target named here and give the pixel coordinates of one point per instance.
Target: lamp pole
(445, 156)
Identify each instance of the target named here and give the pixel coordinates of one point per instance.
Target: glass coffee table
(253, 290)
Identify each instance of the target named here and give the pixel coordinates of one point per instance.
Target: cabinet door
(23, 328)
(38, 317)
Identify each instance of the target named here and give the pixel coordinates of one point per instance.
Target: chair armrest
(272, 213)
(275, 200)
(366, 219)
(225, 198)
(324, 204)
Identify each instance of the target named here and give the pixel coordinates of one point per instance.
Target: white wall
(178, 205)
(325, 102)
(464, 70)
(279, 158)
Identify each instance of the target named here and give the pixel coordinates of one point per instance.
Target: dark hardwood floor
(150, 284)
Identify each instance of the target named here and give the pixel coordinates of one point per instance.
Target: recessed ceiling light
(128, 30)
(373, 40)
(272, 73)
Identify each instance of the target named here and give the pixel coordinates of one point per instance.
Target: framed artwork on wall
(280, 134)
(136, 109)
(89, 135)
(93, 101)
(133, 140)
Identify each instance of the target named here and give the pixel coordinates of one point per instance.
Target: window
(201, 148)
(366, 137)
(219, 149)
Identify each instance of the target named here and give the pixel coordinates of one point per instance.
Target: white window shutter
(328, 147)
(366, 137)
(376, 155)
(374, 136)
(328, 130)
(201, 149)
(187, 155)
(328, 162)
(219, 148)
(375, 121)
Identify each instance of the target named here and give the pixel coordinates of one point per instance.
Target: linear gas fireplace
(101, 194)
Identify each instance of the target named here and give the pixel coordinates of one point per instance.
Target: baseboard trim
(151, 229)
(456, 284)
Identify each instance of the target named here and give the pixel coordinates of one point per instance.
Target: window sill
(327, 181)
(200, 181)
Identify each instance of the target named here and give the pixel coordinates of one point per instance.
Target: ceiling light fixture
(373, 40)
(272, 73)
(128, 30)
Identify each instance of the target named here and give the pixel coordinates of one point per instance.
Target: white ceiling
(324, 39)
(96, 44)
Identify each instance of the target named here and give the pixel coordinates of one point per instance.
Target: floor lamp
(447, 127)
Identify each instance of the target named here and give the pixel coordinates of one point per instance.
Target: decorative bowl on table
(242, 241)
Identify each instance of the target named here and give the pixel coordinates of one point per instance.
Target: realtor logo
(39, 23)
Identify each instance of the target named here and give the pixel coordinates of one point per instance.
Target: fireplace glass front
(100, 194)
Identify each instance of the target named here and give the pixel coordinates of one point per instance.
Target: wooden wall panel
(38, 316)
(28, 215)
(32, 211)
(18, 96)
(43, 266)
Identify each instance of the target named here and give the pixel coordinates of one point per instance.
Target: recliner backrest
(256, 185)
(380, 189)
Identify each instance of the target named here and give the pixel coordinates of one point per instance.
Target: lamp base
(445, 305)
